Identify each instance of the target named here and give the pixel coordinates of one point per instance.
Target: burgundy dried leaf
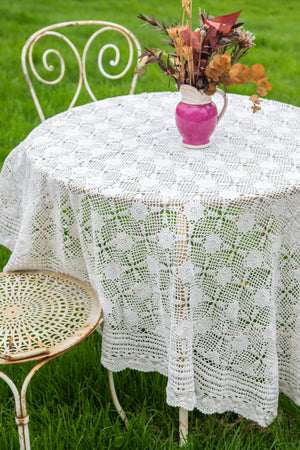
(237, 25)
(153, 22)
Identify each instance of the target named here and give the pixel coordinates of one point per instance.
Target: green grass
(70, 407)
(68, 400)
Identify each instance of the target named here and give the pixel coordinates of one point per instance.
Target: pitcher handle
(225, 99)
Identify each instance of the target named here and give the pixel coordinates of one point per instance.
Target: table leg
(182, 238)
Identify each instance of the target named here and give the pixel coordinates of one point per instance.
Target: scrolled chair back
(130, 52)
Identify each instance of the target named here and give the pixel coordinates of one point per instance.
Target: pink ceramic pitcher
(197, 116)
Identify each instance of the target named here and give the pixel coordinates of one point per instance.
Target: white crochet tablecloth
(194, 253)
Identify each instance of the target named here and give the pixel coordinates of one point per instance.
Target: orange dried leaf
(255, 98)
(255, 108)
(266, 84)
(239, 73)
(262, 91)
(257, 71)
(236, 69)
(217, 66)
(222, 60)
(226, 80)
(212, 73)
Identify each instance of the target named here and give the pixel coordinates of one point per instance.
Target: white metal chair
(42, 315)
(102, 27)
(134, 48)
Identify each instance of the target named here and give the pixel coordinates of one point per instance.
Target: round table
(195, 253)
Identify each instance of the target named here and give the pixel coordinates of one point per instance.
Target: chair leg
(183, 426)
(22, 418)
(115, 398)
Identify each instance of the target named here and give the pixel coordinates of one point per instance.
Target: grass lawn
(69, 401)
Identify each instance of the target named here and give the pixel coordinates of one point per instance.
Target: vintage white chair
(42, 315)
(99, 28)
(130, 43)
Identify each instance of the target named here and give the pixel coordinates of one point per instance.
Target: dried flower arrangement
(206, 57)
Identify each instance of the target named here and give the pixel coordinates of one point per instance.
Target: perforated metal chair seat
(42, 314)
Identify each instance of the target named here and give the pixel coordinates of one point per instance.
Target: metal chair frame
(27, 57)
(28, 299)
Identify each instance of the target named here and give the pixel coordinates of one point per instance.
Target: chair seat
(43, 314)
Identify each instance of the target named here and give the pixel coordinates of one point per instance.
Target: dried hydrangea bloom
(245, 38)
